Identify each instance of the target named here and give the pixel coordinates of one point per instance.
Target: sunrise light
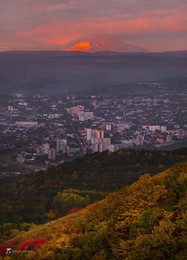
(81, 46)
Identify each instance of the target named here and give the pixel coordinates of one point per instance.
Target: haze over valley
(62, 71)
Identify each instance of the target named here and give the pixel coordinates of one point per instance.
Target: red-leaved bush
(32, 245)
(73, 211)
(4, 246)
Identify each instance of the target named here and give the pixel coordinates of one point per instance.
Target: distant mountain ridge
(104, 52)
(102, 43)
(60, 71)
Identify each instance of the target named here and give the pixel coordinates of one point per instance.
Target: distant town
(37, 131)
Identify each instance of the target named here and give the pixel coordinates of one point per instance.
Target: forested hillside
(30, 200)
(143, 221)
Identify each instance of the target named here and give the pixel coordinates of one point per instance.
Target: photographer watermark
(14, 251)
(8, 251)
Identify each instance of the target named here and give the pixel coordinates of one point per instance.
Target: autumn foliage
(32, 245)
(73, 211)
(143, 221)
(9, 244)
(34, 199)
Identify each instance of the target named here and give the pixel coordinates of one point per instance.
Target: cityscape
(93, 129)
(41, 130)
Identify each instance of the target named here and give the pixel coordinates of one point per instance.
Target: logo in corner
(8, 251)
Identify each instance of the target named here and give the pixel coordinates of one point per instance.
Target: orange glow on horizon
(60, 35)
(81, 46)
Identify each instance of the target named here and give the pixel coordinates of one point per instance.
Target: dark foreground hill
(143, 221)
(30, 200)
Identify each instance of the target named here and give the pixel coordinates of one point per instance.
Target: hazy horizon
(92, 52)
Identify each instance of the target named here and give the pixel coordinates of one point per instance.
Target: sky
(154, 25)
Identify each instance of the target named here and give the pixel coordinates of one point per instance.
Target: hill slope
(143, 221)
(48, 195)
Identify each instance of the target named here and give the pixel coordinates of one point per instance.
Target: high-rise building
(99, 147)
(89, 134)
(98, 134)
(61, 144)
(75, 110)
(101, 134)
(46, 147)
(85, 115)
(58, 145)
(94, 133)
(105, 141)
(51, 154)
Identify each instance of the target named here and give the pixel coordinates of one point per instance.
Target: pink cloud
(64, 32)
